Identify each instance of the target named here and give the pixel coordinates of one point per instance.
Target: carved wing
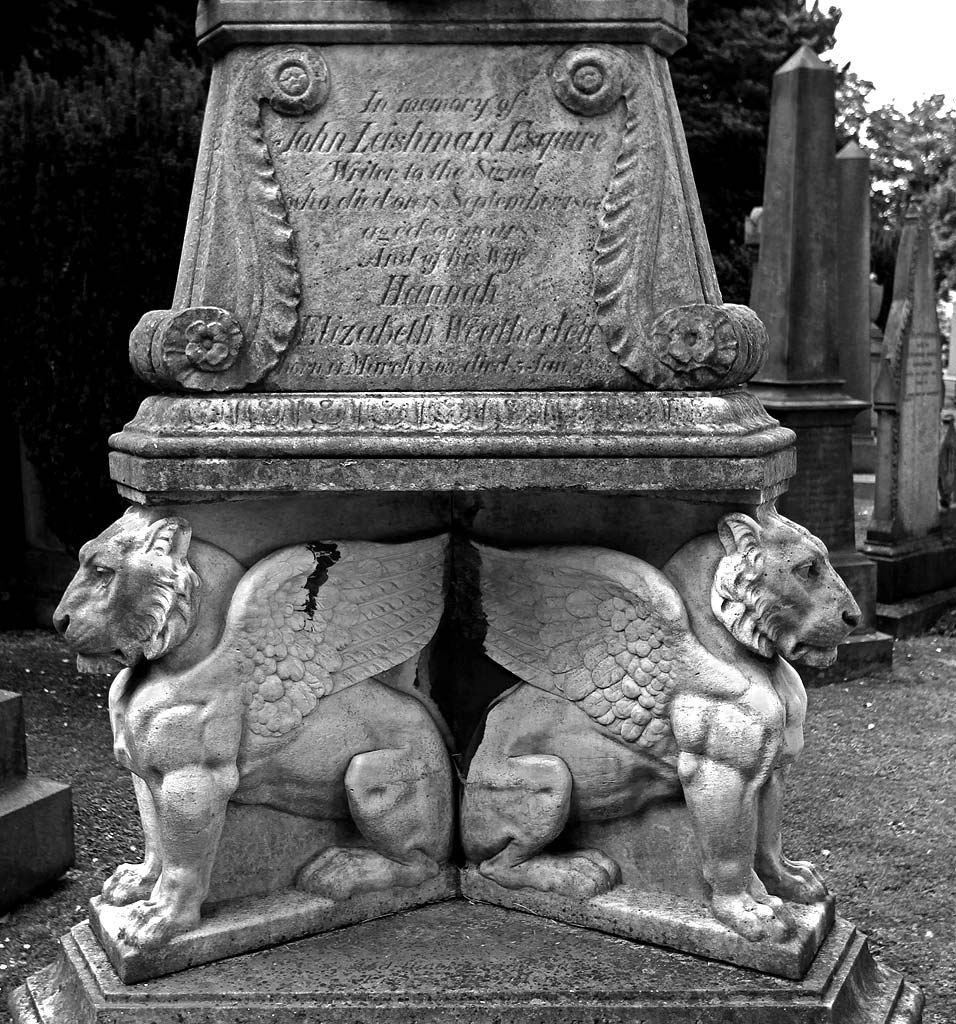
(315, 618)
(603, 629)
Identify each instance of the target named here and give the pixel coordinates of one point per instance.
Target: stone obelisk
(853, 293)
(795, 293)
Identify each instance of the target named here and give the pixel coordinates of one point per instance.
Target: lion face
(776, 592)
(133, 595)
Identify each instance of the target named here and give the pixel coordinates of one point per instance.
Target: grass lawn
(873, 803)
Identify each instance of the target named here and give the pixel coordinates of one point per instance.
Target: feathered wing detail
(603, 629)
(315, 618)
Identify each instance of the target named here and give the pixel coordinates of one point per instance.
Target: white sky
(908, 50)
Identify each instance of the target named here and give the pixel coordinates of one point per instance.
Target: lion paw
(129, 883)
(150, 924)
(582, 874)
(342, 871)
(795, 880)
(754, 919)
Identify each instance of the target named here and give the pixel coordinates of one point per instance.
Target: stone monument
(916, 558)
(949, 374)
(36, 815)
(452, 493)
(853, 294)
(795, 292)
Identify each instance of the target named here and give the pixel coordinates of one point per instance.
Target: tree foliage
(913, 156)
(94, 189)
(723, 80)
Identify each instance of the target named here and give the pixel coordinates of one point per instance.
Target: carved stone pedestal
(454, 540)
(462, 963)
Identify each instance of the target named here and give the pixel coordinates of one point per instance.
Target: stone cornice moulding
(221, 24)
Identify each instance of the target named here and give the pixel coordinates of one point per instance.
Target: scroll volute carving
(236, 308)
(655, 289)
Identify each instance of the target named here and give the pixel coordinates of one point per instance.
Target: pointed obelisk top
(853, 151)
(803, 60)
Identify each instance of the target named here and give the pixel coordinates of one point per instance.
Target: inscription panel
(445, 208)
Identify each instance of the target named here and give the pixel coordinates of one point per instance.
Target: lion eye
(104, 572)
(807, 571)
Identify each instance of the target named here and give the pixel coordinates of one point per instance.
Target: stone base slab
(458, 963)
(911, 569)
(908, 618)
(36, 836)
(665, 919)
(243, 925)
(857, 655)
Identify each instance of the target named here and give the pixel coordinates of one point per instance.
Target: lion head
(134, 595)
(776, 592)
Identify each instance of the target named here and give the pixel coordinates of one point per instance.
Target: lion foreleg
(131, 882)
(727, 751)
(793, 880)
(190, 804)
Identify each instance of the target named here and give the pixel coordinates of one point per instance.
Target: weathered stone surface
(458, 963)
(293, 685)
(407, 221)
(630, 675)
(183, 447)
(908, 397)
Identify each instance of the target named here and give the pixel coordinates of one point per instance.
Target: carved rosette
(655, 290)
(250, 312)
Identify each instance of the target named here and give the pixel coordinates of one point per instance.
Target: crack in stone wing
(316, 618)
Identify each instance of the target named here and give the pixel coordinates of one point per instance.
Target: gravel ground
(873, 803)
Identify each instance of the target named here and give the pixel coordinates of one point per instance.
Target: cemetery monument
(914, 554)
(451, 494)
(796, 292)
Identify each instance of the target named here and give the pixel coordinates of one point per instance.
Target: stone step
(13, 746)
(36, 836)
(462, 963)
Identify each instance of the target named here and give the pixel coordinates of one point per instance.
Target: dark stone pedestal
(821, 499)
(36, 815)
(911, 569)
(464, 963)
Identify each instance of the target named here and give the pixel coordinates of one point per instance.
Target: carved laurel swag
(655, 289)
(249, 305)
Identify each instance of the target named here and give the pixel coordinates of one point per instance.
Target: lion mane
(740, 597)
(135, 594)
(169, 609)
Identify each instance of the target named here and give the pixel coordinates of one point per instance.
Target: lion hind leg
(401, 803)
(509, 817)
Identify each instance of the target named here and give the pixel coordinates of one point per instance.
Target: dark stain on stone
(326, 555)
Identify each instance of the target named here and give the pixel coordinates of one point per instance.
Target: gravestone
(949, 375)
(796, 293)
(876, 345)
(853, 293)
(916, 558)
(452, 448)
(36, 815)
